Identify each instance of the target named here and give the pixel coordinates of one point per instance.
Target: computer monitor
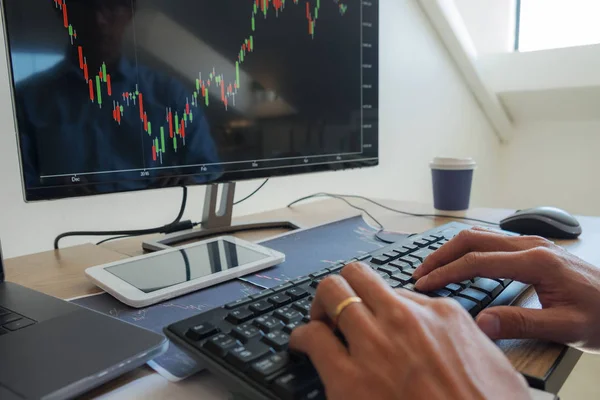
(1, 265)
(123, 95)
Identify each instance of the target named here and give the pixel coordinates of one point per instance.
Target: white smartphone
(150, 279)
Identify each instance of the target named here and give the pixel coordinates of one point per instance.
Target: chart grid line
(211, 165)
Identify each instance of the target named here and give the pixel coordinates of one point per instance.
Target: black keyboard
(245, 343)
(11, 321)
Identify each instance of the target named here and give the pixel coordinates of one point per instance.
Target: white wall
(552, 164)
(491, 24)
(426, 110)
(546, 85)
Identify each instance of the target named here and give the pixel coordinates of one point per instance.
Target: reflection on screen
(166, 270)
(122, 95)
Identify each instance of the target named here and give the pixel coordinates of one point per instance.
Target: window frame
(518, 26)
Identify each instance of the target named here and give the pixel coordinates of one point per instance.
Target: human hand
(400, 345)
(568, 287)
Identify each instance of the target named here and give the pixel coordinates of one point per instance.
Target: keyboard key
(262, 294)
(409, 271)
(336, 268)
(268, 324)
(201, 331)
(390, 255)
(422, 243)
(238, 303)
(449, 235)
(432, 238)
(297, 293)
(220, 344)
(241, 356)
(261, 307)
(402, 251)
(245, 332)
(440, 293)
(471, 307)
(383, 274)
(412, 262)
(415, 261)
(489, 286)
(411, 247)
(363, 257)
(435, 247)
(476, 296)
(466, 284)
(264, 370)
(454, 288)
(303, 306)
(381, 260)
(402, 278)
(409, 286)
(240, 316)
(279, 300)
(4, 311)
(389, 269)
(315, 283)
(504, 282)
(400, 264)
(320, 274)
(5, 319)
(306, 319)
(287, 315)
(299, 383)
(291, 326)
(277, 340)
(282, 287)
(393, 284)
(300, 281)
(422, 254)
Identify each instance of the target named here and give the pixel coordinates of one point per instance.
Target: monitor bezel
(63, 192)
(1, 264)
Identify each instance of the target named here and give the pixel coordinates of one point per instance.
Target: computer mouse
(549, 222)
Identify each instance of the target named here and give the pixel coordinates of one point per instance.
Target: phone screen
(165, 270)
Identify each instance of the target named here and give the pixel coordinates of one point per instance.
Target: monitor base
(215, 221)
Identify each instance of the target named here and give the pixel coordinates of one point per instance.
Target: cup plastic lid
(449, 163)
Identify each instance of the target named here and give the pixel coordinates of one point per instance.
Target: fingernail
(489, 324)
(421, 282)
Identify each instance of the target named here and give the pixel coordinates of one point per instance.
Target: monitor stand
(216, 220)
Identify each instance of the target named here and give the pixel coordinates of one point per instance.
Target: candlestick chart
(168, 132)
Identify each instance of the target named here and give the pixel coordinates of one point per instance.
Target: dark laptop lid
(1, 265)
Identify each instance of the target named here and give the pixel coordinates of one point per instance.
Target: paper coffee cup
(452, 182)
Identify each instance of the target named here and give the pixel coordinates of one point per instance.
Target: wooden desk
(60, 274)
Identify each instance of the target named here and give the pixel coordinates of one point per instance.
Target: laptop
(51, 349)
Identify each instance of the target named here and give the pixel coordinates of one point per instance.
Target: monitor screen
(122, 95)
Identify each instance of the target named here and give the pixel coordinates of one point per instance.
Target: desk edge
(559, 372)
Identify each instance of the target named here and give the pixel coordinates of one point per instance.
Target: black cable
(180, 216)
(338, 196)
(381, 228)
(175, 226)
(251, 194)
(113, 238)
(183, 206)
